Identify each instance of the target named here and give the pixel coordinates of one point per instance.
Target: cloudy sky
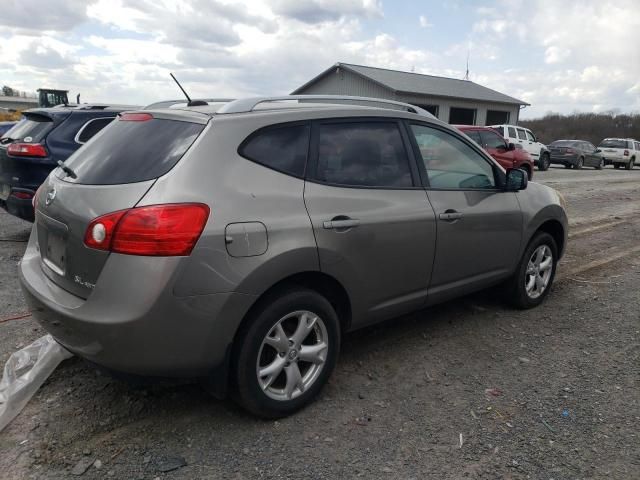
(559, 56)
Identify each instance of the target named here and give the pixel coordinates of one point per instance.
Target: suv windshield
(32, 128)
(614, 143)
(129, 151)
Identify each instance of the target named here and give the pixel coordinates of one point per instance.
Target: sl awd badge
(51, 195)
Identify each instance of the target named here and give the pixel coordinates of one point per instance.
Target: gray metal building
(451, 100)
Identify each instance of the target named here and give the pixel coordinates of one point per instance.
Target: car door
(522, 138)
(591, 154)
(479, 225)
(532, 145)
(496, 146)
(373, 224)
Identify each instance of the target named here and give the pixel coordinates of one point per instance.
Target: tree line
(592, 127)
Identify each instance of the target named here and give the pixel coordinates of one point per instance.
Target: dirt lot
(469, 389)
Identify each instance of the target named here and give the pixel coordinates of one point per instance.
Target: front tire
(600, 165)
(286, 352)
(536, 271)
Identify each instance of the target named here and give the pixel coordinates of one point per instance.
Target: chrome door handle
(450, 216)
(339, 224)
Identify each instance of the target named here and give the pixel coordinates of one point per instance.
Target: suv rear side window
(32, 128)
(92, 127)
(364, 154)
(133, 151)
(283, 148)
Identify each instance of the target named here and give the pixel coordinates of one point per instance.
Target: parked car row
(237, 242)
(32, 147)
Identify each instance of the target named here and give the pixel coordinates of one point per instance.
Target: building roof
(417, 83)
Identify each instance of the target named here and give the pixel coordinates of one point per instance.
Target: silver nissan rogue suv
(238, 242)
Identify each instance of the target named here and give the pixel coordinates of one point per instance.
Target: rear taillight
(626, 153)
(156, 230)
(27, 150)
(570, 150)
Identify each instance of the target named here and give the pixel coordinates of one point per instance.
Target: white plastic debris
(25, 372)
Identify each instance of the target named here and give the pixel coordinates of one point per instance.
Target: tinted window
(530, 136)
(363, 154)
(637, 144)
(613, 143)
(451, 163)
(492, 140)
(31, 126)
(92, 127)
(521, 134)
(133, 151)
(281, 148)
(512, 133)
(474, 135)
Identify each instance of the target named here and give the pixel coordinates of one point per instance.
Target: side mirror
(511, 147)
(516, 180)
(598, 150)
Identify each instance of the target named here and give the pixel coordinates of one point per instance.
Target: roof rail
(245, 105)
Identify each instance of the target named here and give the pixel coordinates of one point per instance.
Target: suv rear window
(613, 143)
(133, 151)
(32, 128)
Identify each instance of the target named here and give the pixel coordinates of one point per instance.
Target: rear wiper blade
(67, 169)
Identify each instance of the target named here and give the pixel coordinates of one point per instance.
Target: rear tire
(600, 165)
(270, 342)
(544, 163)
(629, 165)
(532, 281)
(580, 164)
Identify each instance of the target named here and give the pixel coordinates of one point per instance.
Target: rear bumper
(132, 323)
(564, 159)
(611, 159)
(19, 207)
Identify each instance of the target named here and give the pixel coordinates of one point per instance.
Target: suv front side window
(521, 134)
(530, 136)
(362, 154)
(451, 163)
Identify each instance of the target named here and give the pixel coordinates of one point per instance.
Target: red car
(506, 154)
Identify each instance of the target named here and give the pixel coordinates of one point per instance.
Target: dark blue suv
(32, 148)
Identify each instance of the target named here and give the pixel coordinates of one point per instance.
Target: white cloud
(424, 22)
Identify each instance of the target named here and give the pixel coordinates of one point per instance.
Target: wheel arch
(556, 230)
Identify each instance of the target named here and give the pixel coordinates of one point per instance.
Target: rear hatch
(27, 170)
(112, 172)
(613, 148)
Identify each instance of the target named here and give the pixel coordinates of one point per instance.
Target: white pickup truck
(525, 138)
(620, 151)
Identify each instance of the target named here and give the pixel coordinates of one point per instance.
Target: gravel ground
(468, 389)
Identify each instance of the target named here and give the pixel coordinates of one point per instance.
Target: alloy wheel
(292, 355)
(538, 272)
